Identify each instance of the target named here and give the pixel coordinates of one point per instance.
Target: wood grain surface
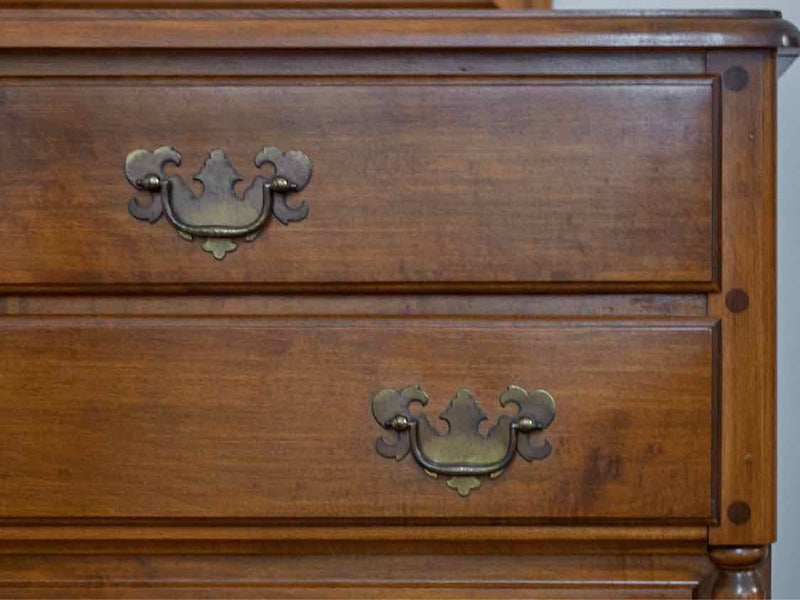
(177, 62)
(580, 202)
(270, 418)
(749, 336)
(363, 305)
(346, 576)
(495, 29)
(449, 181)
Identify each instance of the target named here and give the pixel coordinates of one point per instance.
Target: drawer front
(451, 182)
(271, 418)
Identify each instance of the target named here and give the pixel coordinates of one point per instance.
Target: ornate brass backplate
(219, 215)
(464, 455)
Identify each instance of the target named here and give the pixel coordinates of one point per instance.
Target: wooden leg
(737, 572)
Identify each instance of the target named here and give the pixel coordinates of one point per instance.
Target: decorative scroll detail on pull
(219, 215)
(464, 455)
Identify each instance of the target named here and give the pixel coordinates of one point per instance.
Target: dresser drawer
(273, 418)
(451, 182)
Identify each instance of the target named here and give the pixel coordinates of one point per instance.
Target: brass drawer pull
(219, 214)
(464, 455)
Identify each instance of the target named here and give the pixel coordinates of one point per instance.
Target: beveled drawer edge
(716, 421)
(474, 305)
(586, 287)
(251, 62)
(32, 322)
(86, 530)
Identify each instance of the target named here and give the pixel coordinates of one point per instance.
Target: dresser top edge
(204, 26)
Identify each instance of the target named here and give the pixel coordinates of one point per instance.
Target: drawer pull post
(463, 454)
(219, 214)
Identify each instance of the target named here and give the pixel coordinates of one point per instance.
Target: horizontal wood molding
(246, 62)
(370, 29)
(353, 576)
(475, 305)
(88, 530)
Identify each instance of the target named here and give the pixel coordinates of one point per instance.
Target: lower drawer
(271, 418)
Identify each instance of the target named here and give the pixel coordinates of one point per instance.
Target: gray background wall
(786, 553)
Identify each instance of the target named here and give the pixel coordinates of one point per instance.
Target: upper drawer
(450, 181)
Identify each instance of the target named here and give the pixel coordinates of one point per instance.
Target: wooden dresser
(384, 303)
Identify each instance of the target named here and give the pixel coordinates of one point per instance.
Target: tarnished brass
(463, 454)
(219, 214)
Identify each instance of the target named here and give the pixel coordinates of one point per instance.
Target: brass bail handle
(401, 423)
(220, 214)
(464, 454)
(163, 187)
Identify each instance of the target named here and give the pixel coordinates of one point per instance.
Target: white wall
(786, 553)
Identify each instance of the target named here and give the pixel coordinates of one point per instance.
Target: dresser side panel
(746, 303)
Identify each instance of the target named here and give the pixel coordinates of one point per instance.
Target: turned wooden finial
(738, 575)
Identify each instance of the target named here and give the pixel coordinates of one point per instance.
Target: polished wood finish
(396, 29)
(589, 305)
(348, 576)
(581, 202)
(664, 539)
(520, 213)
(748, 336)
(739, 575)
(187, 444)
(322, 62)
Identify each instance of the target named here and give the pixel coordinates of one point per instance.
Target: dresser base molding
(357, 575)
(366, 562)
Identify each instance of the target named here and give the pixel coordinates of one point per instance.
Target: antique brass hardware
(219, 215)
(464, 455)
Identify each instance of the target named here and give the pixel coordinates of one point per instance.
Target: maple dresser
(328, 303)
